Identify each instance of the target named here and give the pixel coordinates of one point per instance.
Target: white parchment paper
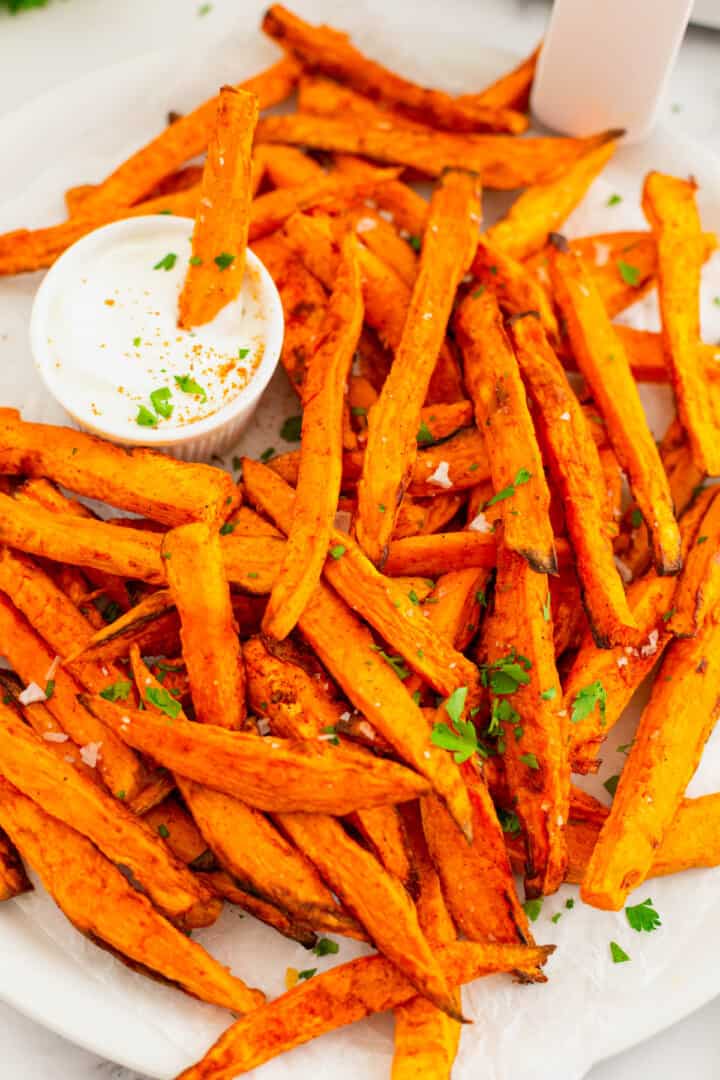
(590, 1007)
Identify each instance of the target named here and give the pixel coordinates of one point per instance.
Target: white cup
(605, 64)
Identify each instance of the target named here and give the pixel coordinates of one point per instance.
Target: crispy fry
(501, 413)
(516, 288)
(455, 605)
(378, 901)
(394, 421)
(439, 553)
(502, 161)
(271, 774)
(32, 660)
(287, 167)
(215, 272)
(408, 209)
(535, 736)
(119, 834)
(321, 48)
(261, 909)
(696, 595)
(429, 516)
(44, 724)
(673, 729)
(186, 138)
(577, 471)
(140, 480)
(13, 879)
(369, 593)
(320, 469)
(512, 89)
(381, 237)
(211, 649)
(602, 360)
(156, 607)
(669, 205)
(341, 996)
(461, 462)
(541, 210)
(105, 907)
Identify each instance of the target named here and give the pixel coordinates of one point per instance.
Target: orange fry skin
(697, 593)
(502, 414)
(511, 89)
(320, 470)
(670, 207)
(670, 739)
(393, 423)
(215, 272)
(604, 364)
(211, 648)
(577, 470)
(516, 288)
(13, 878)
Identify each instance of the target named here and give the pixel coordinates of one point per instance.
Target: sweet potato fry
(670, 207)
(526, 708)
(271, 774)
(320, 471)
(378, 901)
(445, 418)
(455, 606)
(516, 288)
(185, 139)
(502, 162)
(44, 724)
(31, 659)
(13, 879)
(696, 595)
(321, 48)
(261, 909)
(429, 516)
(455, 465)
(577, 471)
(394, 421)
(521, 494)
(512, 89)
(119, 834)
(342, 996)
(602, 360)
(150, 611)
(408, 208)
(381, 237)
(207, 628)
(541, 210)
(285, 166)
(438, 553)
(369, 593)
(140, 480)
(673, 729)
(247, 844)
(108, 910)
(215, 272)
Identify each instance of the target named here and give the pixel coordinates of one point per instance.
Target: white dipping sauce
(109, 347)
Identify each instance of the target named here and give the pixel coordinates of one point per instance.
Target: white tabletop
(42, 49)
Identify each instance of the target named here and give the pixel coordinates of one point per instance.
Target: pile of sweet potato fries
(347, 693)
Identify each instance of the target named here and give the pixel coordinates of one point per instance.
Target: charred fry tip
(559, 241)
(542, 562)
(512, 319)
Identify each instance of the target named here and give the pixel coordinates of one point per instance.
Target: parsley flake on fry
(164, 701)
(586, 700)
(629, 274)
(521, 477)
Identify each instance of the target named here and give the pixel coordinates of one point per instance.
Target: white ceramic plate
(590, 1008)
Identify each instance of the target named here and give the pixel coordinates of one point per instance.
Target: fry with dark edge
(324, 49)
(210, 644)
(320, 470)
(106, 908)
(13, 879)
(144, 481)
(577, 471)
(450, 242)
(602, 360)
(122, 837)
(522, 498)
(270, 774)
(671, 210)
(535, 735)
(216, 269)
(673, 730)
(342, 996)
(698, 586)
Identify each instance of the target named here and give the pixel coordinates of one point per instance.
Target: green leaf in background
(14, 6)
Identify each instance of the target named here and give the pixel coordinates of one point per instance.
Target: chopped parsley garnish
(237, 463)
(187, 384)
(413, 597)
(381, 507)
(502, 713)
(204, 9)
(331, 731)
(629, 274)
(161, 402)
(702, 540)
(227, 528)
(267, 454)
(224, 260)
(507, 674)
(619, 956)
(49, 688)
(530, 760)
(326, 947)
(556, 917)
(253, 574)
(521, 477)
(550, 694)
(119, 794)
(636, 518)
(358, 410)
(509, 821)
(643, 917)
(291, 429)
(424, 434)
(532, 909)
(415, 242)
(669, 614)
(546, 608)
(586, 700)
(570, 904)
(463, 743)
(338, 551)
(117, 691)
(455, 704)
(136, 341)
(307, 974)
(478, 292)
(611, 784)
(167, 262)
(614, 200)
(195, 260)
(626, 747)
(163, 831)
(145, 418)
(242, 353)
(163, 701)
(396, 662)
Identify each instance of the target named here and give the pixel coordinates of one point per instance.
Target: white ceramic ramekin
(215, 434)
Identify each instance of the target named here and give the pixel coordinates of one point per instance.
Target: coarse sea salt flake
(441, 476)
(31, 694)
(565, 416)
(55, 736)
(480, 524)
(365, 224)
(90, 753)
